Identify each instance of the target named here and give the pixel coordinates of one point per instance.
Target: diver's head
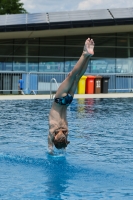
(60, 140)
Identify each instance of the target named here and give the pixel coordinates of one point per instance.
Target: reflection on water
(57, 180)
(87, 106)
(89, 103)
(81, 106)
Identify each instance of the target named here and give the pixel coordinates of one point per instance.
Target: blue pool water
(98, 163)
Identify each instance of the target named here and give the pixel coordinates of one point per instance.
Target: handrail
(32, 91)
(53, 79)
(22, 92)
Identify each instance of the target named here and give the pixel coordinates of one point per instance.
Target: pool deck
(76, 96)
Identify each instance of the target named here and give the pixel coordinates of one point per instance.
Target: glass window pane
(104, 41)
(73, 51)
(1, 66)
(19, 64)
(102, 65)
(52, 41)
(34, 41)
(131, 42)
(111, 65)
(70, 63)
(6, 41)
(6, 50)
(33, 64)
(130, 65)
(20, 41)
(33, 50)
(76, 40)
(131, 34)
(122, 65)
(104, 35)
(123, 42)
(105, 52)
(122, 34)
(51, 50)
(6, 63)
(19, 50)
(51, 65)
(121, 53)
(131, 53)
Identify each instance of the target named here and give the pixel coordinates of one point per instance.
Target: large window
(113, 53)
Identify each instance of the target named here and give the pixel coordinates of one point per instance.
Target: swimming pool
(98, 162)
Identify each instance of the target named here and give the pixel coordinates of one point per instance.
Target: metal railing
(40, 83)
(53, 79)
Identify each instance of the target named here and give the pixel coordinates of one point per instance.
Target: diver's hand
(50, 151)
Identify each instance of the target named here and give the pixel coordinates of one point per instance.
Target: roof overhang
(66, 23)
(66, 32)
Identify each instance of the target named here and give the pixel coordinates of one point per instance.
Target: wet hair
(60, 143)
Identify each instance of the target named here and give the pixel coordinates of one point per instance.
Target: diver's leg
(69, 81)
(74, 86)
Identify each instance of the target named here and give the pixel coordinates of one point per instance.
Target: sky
(42, 6)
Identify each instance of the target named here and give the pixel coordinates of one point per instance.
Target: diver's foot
(89, 47)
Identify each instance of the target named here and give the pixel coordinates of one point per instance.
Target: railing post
(28, 86)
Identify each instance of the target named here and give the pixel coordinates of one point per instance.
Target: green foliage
(11, 7)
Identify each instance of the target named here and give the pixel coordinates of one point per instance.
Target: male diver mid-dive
(58, 125)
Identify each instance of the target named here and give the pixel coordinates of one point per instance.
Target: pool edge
(76, 96)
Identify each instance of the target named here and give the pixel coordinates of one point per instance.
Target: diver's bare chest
(57, 124)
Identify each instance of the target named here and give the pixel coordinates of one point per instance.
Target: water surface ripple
(97, 164)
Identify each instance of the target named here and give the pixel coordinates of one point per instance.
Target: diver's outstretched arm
(50, 143)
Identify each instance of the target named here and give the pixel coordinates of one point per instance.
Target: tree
(11, 7)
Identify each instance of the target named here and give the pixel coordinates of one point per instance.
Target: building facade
(53, 42)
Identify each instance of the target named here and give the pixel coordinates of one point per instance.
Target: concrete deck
(76, 96)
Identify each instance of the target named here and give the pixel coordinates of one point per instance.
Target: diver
(58, 125)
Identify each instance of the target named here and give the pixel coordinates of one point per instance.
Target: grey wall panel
(100, 14)
(67, 16)
(122, 13)
(79, 15)
(3, 19)
(7, 83)
(59, 16)
(16, 19)
(15, 79)
(37, 18)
